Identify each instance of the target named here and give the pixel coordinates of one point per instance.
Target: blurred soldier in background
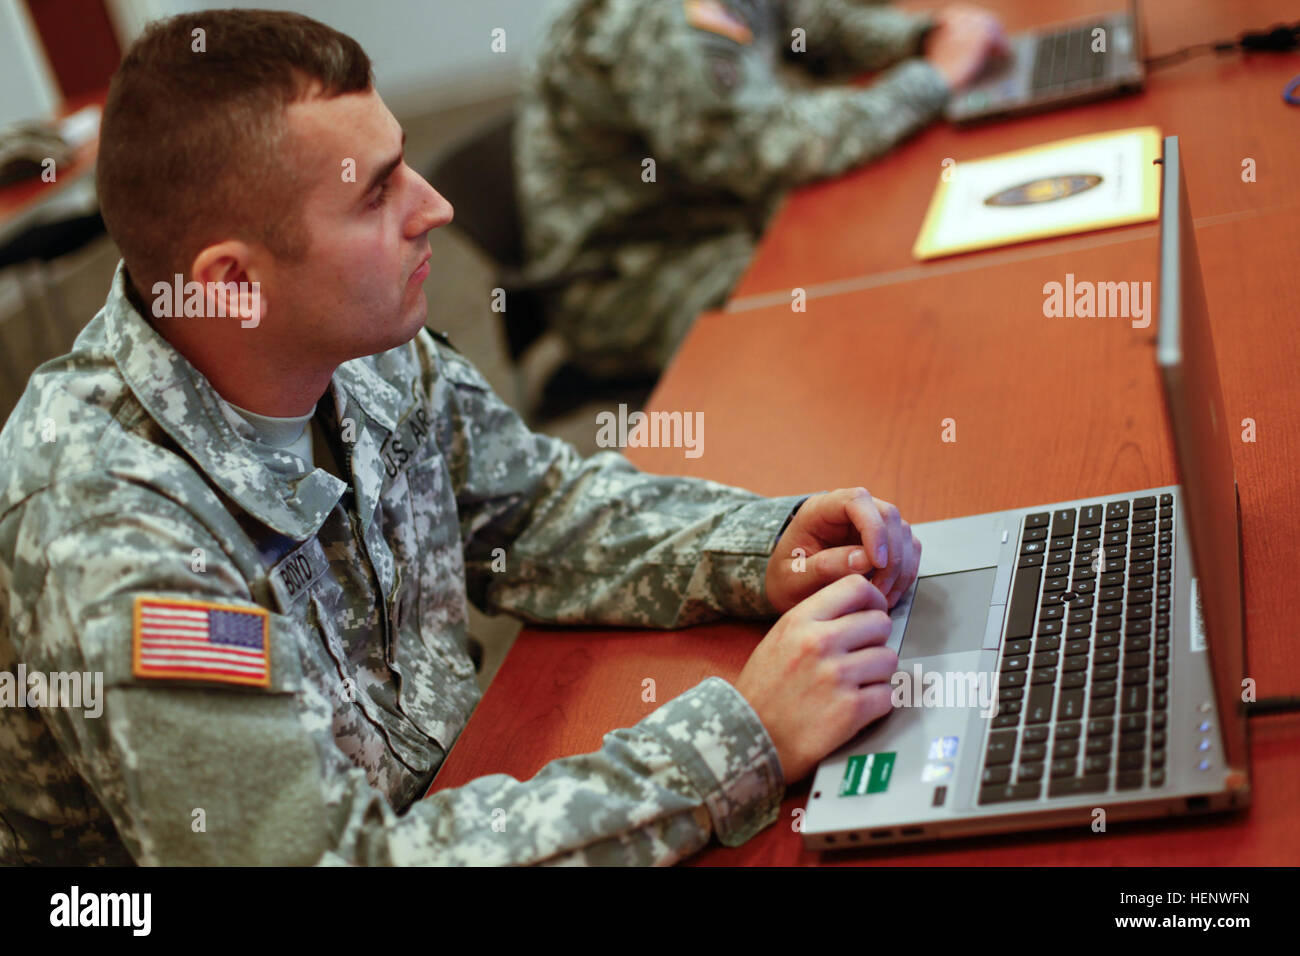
(656, 137)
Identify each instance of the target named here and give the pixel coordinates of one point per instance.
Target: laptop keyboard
(1083, 685)
(1064, 60)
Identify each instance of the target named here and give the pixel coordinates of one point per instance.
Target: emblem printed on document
(198, 640)
(1044, 190)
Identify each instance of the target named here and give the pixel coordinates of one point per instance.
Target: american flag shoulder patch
(198, 640)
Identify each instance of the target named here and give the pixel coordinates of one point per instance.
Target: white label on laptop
(1198, 622)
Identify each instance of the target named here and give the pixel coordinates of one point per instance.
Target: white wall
(427, 54)
(27, 87)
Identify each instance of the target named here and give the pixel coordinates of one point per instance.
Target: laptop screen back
(1202, 436)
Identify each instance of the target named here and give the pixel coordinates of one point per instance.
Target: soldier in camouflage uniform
(328, 578)
(370, 679)
(694, 87)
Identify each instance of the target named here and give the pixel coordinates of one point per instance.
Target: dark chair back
(48, 241)
(477, 177)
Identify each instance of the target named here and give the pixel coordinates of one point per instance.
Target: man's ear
(228, 275)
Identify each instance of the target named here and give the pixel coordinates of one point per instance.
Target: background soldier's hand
(842, 532)
(963, 40)
(821, 674)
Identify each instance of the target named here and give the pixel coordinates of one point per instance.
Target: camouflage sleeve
(844, 36)
(217, 774)
(553, 537)
(700, 764)
(714, 111)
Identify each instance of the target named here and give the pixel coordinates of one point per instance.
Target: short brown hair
(191, 149)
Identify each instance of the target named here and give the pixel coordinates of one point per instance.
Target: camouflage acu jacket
(125, 488)
(694, 86)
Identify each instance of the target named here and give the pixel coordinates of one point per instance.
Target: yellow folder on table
(1056, 189)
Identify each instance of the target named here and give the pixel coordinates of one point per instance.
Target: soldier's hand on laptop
(822, 673)
(963, 40)
(842, 532)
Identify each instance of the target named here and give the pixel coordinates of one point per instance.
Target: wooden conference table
(854, 390)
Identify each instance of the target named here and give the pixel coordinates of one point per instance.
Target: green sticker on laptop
(867, 773)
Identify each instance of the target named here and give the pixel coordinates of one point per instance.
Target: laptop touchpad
(949, 613)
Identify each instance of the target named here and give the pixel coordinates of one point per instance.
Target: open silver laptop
(1060, 65)
(1072, 657)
